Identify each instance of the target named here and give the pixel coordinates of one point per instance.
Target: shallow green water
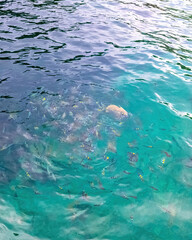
(69, 169)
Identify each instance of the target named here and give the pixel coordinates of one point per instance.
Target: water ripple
(68, 168)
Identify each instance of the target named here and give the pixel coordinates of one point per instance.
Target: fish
(36, 172)
(84, 196)
(63, 115)
(24, 133)
(153, 188)
(133, 157)
(132, 144)
(135, 197)
(112, 147)
(114, 177)
(140, 174)
(87, 166)
(117, 133)
(189, 163)
(167, 154)
(71, 139)
(123, 195)
(100, 185)
(117, 111)
(170, 209)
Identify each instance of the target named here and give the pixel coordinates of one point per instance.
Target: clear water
(70, 170)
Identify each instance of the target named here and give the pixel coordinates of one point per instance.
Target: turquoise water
(68, 168)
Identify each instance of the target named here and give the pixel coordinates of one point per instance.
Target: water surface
(70, 170)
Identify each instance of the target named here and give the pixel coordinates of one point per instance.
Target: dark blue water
(71, 169)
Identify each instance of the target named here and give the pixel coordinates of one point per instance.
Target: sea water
(71, 170)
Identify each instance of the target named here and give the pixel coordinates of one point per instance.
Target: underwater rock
(119, 112)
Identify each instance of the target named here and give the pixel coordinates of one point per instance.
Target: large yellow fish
(118, 111)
